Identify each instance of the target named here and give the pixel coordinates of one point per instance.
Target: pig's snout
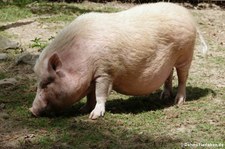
(39, 111)
(34, 113)
(39, 106)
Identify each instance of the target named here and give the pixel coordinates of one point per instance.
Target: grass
(11, 13)
(59, 12)
(68, 12)
(70, 9)
(58, 18)
(130, 122)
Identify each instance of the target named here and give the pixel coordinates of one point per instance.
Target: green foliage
(39, 43)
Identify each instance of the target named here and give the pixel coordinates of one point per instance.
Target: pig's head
(57, 88)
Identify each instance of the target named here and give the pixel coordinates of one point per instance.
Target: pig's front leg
(103, 86)
(91, 101)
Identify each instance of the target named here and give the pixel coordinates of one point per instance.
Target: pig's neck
(79, 73)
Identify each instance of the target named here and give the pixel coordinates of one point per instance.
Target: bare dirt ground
(212, 25)
(33, 29)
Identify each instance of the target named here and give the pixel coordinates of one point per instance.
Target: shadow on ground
(141, 104)
(153, 102)
(13, 25)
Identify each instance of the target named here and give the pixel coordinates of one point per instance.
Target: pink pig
(132, 52)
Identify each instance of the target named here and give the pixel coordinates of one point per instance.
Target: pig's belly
(140, 84)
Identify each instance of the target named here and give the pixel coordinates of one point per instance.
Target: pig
(132, 52)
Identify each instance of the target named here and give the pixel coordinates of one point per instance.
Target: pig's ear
(54, 62)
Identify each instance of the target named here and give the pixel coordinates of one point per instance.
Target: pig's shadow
(153, 102)
(141, 104)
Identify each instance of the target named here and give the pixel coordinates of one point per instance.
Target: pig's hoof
(180, 100)
(166, 94)
(98, 111)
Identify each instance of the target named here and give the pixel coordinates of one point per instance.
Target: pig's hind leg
(167, 92)
(103, 86)
(182, 74)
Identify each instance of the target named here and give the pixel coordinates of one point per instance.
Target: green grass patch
(64, 12)
(69, 9)
(58, 11)
(218, 60)
(58, 18)
(20, 3)
(2, 75)
(12, 13)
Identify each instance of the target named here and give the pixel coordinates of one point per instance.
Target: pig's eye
(46, 82)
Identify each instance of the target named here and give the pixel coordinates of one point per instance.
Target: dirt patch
(24, 34)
